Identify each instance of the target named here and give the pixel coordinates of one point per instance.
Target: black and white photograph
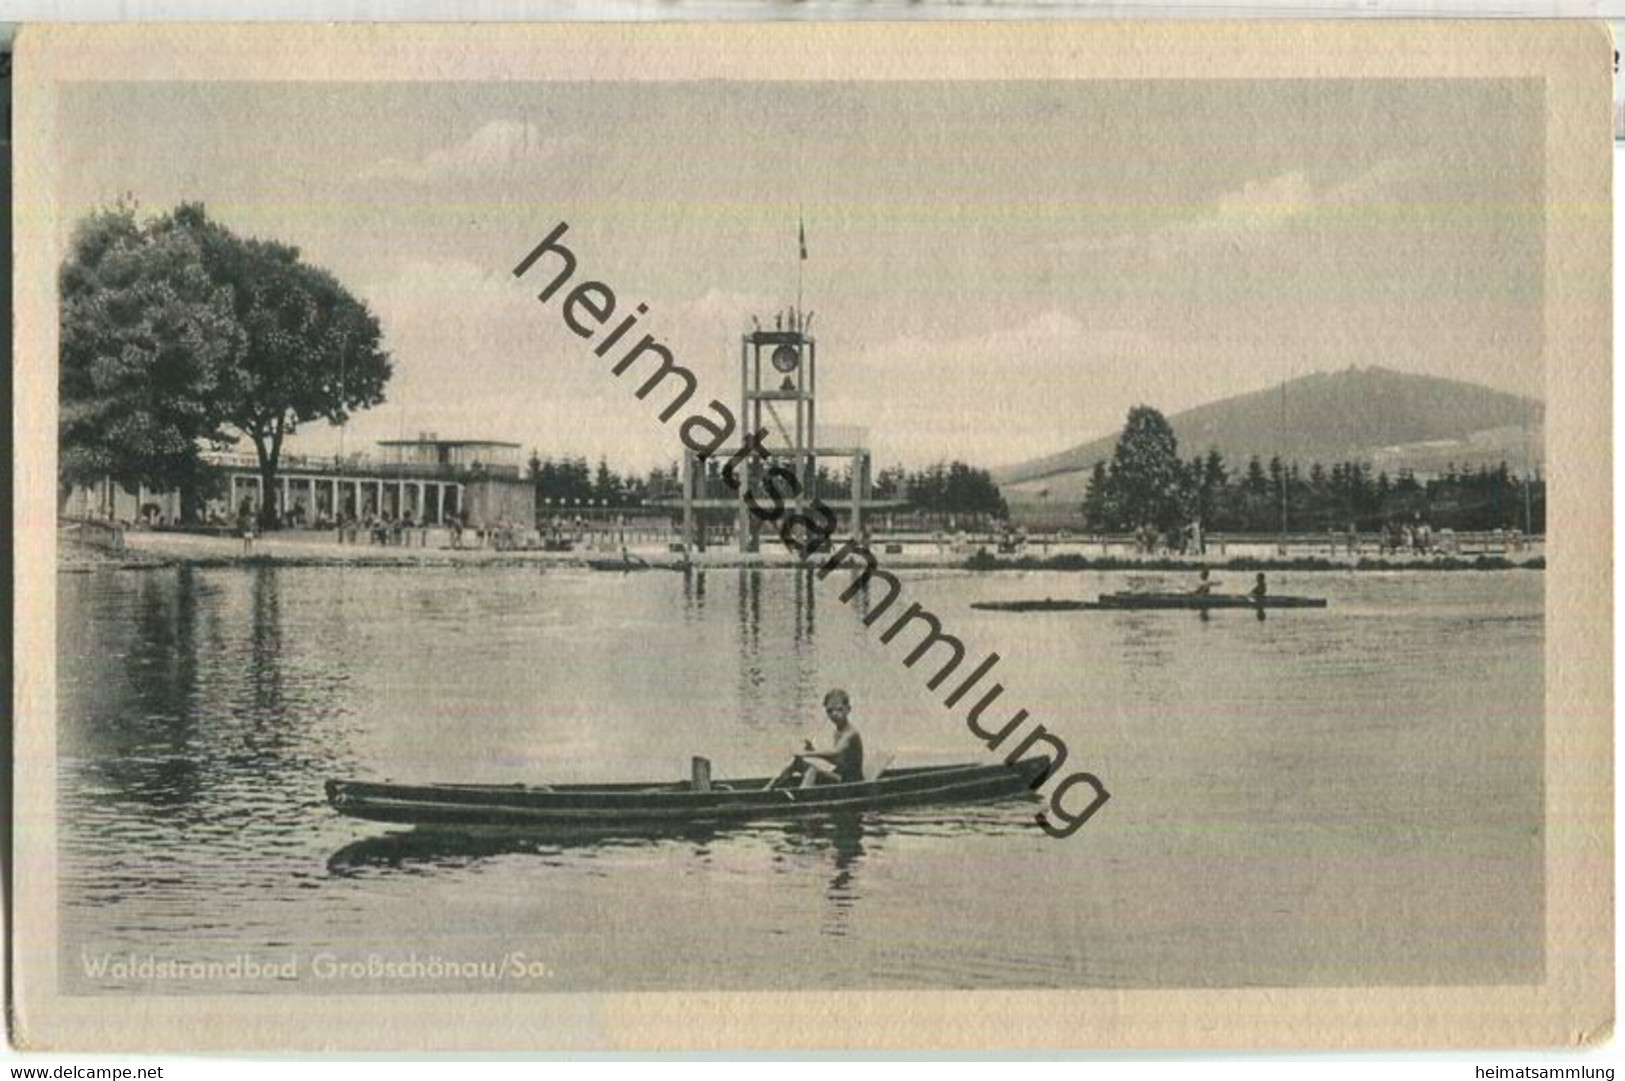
(546, 516)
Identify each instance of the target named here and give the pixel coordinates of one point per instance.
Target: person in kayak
(1204, 585)
(841, 762)
(1259, 588)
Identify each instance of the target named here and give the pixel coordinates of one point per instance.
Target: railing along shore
(650, 536)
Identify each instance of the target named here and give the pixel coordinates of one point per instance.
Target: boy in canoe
(840, 762)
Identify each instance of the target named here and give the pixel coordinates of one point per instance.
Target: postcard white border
(1575, 1003)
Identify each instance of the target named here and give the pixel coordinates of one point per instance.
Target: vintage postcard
(975, 536)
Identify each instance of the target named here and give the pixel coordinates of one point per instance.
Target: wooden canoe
(636, 563)
(617, 564)
(1045, 605)
(612, 807)
(1120, 602)
(1205, 600)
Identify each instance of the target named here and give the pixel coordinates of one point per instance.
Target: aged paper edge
(1573, 1006)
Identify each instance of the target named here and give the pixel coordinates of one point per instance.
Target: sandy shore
(299, 548)
(146, 550)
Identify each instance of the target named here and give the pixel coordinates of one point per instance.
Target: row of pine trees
(945, 488)
(1147, 485)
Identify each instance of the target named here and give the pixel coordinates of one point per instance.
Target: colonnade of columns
(355, 497)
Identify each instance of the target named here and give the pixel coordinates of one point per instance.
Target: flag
(803, 226)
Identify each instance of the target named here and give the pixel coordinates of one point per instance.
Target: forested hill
(1388, 419)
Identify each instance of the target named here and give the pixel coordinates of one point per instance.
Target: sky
(999, 270)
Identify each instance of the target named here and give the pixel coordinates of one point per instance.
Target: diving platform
(778, 405)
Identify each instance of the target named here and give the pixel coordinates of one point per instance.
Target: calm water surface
(1347, 796)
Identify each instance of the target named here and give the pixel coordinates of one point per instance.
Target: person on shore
(839, 763)
(245, 525)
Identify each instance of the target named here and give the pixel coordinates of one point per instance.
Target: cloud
(1379, 181)
(1015, 392)
(499, 148)
(1259, 211)
(1096, 245)
(477, 357)
(1260, 207)
(716, 311)
(1262, 210)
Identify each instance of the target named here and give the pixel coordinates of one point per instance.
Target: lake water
(1348, 796)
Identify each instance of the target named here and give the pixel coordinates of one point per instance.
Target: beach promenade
(85, 549)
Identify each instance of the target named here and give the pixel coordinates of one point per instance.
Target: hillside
(1390, 419)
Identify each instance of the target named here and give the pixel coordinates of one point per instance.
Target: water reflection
(202, 709)
(861, 601)
(753, 674)
(750, 609)
(841, 836)
(805, 603)
(839, 842)
(777, 652)
(426, 850)
(265, 646)
(1206, 616)
(693, 593)
(213, 718)
(145, 755)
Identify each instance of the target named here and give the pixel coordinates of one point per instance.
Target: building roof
(446, 443)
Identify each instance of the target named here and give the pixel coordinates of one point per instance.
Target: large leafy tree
(149, 357)
(312, 351)
(1147, 479)
(177, 332)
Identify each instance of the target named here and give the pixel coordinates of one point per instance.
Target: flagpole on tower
(801, 236)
